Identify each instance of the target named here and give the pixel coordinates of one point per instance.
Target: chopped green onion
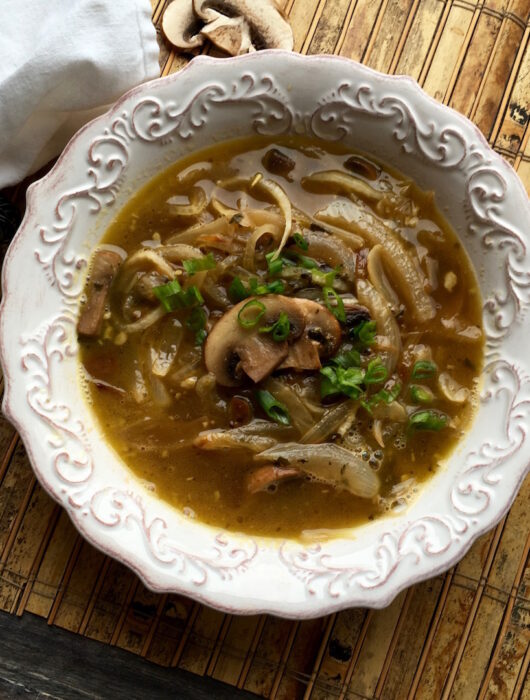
(169, 295)
(237, 291)
(273, 408)
(200, 336)
(328, 383)
(365, 333)
(192, 297)
(300, 241)
(323, 279)
(275, 265)
(421, 394)
(275, 287)
(308, 263)
(257, 289)
(280, 329)
(207, 262)
(248, 317)
(428, 419)
(376, 372)
(173, 297)
(338, 380)
(423, 369)
(197, 319)
(382, 396)
(338, 310)
(350, 381)
(351, 358)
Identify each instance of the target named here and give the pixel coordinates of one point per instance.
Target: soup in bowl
(272, 355)
(282, 338)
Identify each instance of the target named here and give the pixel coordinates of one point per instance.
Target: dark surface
(39, 661)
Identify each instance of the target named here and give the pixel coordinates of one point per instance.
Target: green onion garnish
(382, 396)
(423, 369)
(237, 291)
(365, 333)
(275, 287)
(275, 265)
(169, 295)
(338, 309)
(273, 408)
(280, 329)
(308, 263)
(257, 289)
(192, 297)
(300, 241)
(428, 419)
(323, 279)
(338, 380)
(200, 337)
(173, 297)
(421, 394)
(251, 313)
(351, 358)
(197, 323)
(207, 262)
(376, 372)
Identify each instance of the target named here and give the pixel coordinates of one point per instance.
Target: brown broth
(155, 442)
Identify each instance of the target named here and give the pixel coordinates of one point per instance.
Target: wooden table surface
(461, 635)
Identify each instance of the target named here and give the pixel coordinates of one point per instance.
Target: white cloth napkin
(61, 63)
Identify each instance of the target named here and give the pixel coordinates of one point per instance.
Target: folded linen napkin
(61, 63)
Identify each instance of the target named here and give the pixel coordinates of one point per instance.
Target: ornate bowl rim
(113, 511)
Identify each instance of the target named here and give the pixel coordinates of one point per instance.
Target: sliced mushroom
(278, 163)
(355, 313)
(105, 264)
(321, 338)
(181, 26)
(230, 34)
(232, 350)
(267, 477)
(267, 27)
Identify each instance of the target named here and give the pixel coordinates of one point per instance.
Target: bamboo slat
(462, 635)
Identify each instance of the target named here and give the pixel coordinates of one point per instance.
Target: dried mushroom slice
(181, 26)
(266, 27)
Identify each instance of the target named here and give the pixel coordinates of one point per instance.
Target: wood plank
(339, 652)
(269, 652)
(375, 647)
(169, 630)
(419, 39)
(201, 641)
(233, 652)
(328, 29)
(47, 662)
(411, 640)
(82, 572)
(52, 567)
(358, 33)
(383, 50)
(293, 681)
(447, 52)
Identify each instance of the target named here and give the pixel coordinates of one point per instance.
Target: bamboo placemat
(462, 635)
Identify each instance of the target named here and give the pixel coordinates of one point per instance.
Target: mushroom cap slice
(321, 338)
(231, 350)
(230, 34)
(181, 26)
(268, 28)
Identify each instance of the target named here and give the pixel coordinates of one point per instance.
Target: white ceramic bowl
(68, 212)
